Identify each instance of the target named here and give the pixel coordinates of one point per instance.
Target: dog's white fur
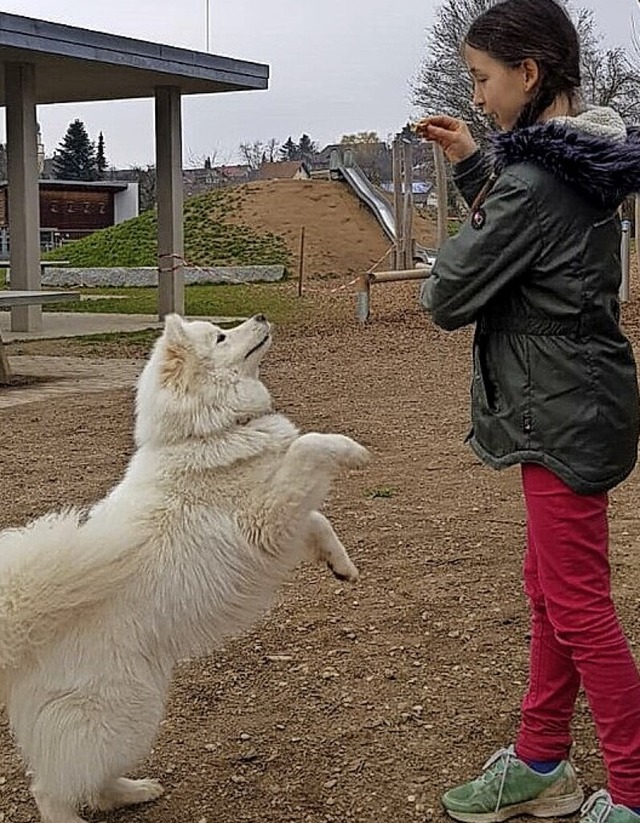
(218, 504)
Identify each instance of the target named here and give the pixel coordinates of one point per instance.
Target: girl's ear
(530, 74)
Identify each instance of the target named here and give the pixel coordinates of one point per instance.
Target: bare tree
(253, 154)
(272, 150)
(202, 161)
(444, 85)
(370, 153)
(256, 153)
(609, 77)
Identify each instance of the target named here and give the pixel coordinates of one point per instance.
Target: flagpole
(207, 24)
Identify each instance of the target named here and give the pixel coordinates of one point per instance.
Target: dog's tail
(51, 571)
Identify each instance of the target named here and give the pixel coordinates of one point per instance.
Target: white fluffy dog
(218, 504)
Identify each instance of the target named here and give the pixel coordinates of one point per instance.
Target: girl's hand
(452, 135)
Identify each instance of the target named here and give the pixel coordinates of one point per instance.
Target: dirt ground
(346, 703)
(342, 237)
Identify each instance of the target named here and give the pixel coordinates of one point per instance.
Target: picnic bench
(9, 298)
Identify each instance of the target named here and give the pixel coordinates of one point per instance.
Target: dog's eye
(221, 338)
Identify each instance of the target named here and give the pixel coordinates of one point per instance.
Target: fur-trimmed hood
(592, 152)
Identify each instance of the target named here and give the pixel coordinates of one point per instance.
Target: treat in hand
(451, 134)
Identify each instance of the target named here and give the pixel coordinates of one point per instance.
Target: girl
(537, 268)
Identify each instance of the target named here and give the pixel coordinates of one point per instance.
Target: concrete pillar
(169, 196)
(24, 205)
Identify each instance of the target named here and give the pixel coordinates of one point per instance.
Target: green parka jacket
(537, 267)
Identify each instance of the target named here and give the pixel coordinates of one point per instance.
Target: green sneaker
(508, 787)
(600, 807)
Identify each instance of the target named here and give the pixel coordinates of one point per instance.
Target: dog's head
(201, 379)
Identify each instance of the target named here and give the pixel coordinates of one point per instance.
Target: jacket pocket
(489, 394)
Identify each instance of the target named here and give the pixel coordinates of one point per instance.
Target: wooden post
(5, 368)
(397, 203)
(301, 262)
(637, 219)
(443, 200)
(625, 254)
(407, 217)
(363, 297)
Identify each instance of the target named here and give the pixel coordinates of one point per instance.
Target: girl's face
(499, 90)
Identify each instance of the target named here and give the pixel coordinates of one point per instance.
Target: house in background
(198, 181)
(285, 170)
(424, 194)
(232, 175)
(201, 180)
(70, 209)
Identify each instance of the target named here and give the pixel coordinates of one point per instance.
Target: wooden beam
(407, 221)
(395, 276)
(443, 199)
(397, 203)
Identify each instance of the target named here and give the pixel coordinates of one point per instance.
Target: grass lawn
(209, 238)
(278, 302)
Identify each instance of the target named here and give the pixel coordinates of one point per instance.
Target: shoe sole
(551, 807)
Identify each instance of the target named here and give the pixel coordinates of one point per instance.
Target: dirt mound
(342, 237)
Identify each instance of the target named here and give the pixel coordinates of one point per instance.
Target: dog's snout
(260, 318)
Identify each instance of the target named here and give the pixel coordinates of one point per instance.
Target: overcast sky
(337, 66)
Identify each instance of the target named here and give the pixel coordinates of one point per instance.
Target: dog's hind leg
(54, 809)
(124, 792)
(325, 547)
(77, 743)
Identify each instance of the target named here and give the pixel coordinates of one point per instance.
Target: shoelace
(502, 758)
(597, 815)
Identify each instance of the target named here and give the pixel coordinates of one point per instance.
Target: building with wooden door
(70, 209)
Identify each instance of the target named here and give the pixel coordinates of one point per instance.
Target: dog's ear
(177, 360)
(174, 330)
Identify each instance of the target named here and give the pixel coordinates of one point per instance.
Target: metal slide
(344, 167)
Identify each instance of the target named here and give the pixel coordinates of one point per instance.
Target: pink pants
(576, 637)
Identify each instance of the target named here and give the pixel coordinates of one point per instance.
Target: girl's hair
(514, 30)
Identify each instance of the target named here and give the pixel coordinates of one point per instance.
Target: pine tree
(289, 150)
(307, 149)
(75, 157)
(101, 158)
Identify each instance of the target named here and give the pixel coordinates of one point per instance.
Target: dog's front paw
(344, 570)
(336, 448)
(355, 455)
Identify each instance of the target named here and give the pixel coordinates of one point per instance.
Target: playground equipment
(397, 220)
(411, 261)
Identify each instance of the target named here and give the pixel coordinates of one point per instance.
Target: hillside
(257, 223)
(342, 237)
